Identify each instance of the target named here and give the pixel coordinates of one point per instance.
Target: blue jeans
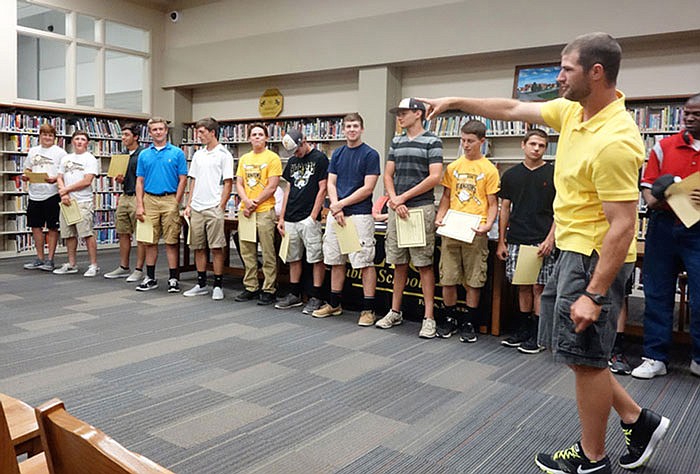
(669, 244)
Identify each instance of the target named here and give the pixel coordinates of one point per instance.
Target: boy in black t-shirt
(306, 175)
(527, 218)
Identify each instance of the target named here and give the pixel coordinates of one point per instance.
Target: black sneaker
(530, 346)
(247, 295)
(173, 285)
(642, 438)
(619, 365)
(447, 328)
(516, 339)
(467, 333)
(147, 284)
(572, 461)
(266, 298)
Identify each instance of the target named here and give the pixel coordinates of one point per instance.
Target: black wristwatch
(597, 298)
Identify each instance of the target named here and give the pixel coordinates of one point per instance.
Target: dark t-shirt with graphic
(303, 176)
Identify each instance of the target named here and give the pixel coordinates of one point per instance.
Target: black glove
(661, 185)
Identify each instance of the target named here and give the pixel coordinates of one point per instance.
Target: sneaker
(427, 329)
(312, 305)
(447, 328)
(92, 271)
(619, 365)
(289, 301)
(136, 275)
(173, 285)
(217, 293)
(65, 269)
(147, 284)
(642, 438)
(391, 319)
(530, 346)
(515, 340)
(266, 298)
(694, 368)
(327, 310)
(34, 264)
(572, 461)
(247, 295)
(649, 369)
(118, 272)
(196, 290)
(367, 318)
(467, 333)
(48, 266)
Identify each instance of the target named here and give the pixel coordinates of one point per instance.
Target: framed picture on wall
(536, 82)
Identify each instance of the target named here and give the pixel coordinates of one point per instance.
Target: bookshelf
(19, 131)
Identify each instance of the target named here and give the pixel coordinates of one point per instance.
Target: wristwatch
(597, 298)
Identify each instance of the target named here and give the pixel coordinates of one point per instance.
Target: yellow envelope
(36, 178)
(144, 231)
(71, 213)
(348, 238)
(284, 247)
(247, 230)
(118, 165)
(410, 232)
(528, 266)
(678, 197)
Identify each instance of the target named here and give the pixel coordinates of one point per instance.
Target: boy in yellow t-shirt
(470, 185)
(257, 177)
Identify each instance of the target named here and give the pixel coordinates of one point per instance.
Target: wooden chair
(75, 447)
(8, 456)
(21, 421)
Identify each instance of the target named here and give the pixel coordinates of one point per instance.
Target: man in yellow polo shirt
(595, 211)
(257, 178)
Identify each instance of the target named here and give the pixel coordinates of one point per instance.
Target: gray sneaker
(196, 290)
(48, 266)
(118, 272)
(312, 305)
(391, 319)
(428, 329)
(136, 275)
(289, 301)
(65, 269)
(34, 264)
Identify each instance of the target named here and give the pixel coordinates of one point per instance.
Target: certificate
(144, 231)
(71, 212)
(410, 232)
(284, 247)
(528, 265)
(118, 165)
(348, 238)
(678, 197)
(459, 225)
(36, 178)
(247, 231)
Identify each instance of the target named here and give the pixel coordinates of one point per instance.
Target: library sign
(271, 103)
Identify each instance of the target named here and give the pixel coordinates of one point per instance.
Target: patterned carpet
(202, 386)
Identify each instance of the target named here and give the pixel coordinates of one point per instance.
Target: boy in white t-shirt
(211, 181)
(75, 175)
(43, 197)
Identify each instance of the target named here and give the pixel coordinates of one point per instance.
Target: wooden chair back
(8, 456)
(75, 447)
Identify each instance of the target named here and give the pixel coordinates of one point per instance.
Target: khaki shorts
(164, 213)
(419, 256)
(126, 215)
(463, 263)
(83, 228)
(362, 258)
(306, 234)
(207, 228)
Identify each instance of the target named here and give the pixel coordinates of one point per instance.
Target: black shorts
(44, 213)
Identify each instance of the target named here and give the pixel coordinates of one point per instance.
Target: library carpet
(202, 386)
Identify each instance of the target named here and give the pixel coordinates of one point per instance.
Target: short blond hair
(154, 120)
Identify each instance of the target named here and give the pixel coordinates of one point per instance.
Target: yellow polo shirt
(597, 160)
(256, 169)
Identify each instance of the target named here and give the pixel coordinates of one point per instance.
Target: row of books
(106, 184)
(15, 203)
(652, 118)
(25, 242)
(106, 200)
(313, 129)
(104, 217)
(95, 127)
(450, 125)
(22, 142)
(15, 121)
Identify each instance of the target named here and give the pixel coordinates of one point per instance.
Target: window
(76, 59)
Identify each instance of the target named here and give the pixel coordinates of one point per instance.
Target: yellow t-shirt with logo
(597, 160)
(470, 182)
(256, 169)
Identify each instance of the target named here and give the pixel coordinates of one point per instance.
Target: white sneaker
(694, 368)
(118, 272)
(217, 293)
(649, 368)
(196, 290)
(136, 275)
(428, 329)
(65, 269)
(92, 271)
(391, 319)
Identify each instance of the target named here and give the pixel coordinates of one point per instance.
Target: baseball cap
(409, 103)
(292, 139)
